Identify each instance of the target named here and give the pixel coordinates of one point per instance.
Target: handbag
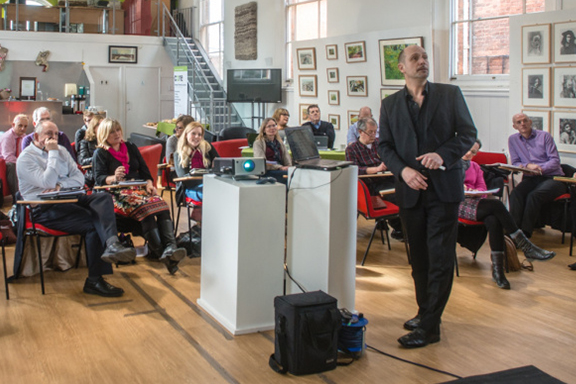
(514, 263)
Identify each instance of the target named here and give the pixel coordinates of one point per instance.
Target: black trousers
(497, 220)
(92, 216)
(431, 227)
(527, 199)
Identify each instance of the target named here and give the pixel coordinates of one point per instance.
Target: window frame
(203, 29)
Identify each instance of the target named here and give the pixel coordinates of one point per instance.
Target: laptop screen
(302, 143)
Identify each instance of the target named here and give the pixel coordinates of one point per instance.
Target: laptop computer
(305, 152)
(251, 138)
(321, 142)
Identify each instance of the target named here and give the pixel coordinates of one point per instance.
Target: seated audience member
(281, 116)
(43, 114)
(10, 148)
(87, 146)
(46, 166)
(87, 117)
(172, 142)
(496, 218)
(320, 127)
(353, 133)
(193, 153)
(269, 146)
(116, 160)
(534, 150)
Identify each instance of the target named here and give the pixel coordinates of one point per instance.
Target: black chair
(234, 133)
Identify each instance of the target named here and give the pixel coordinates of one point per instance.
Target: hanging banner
(180, 91)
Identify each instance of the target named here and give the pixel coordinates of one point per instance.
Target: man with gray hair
(46, 166)
(353, 134)
(44, 114)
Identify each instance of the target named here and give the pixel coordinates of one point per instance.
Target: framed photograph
(564, 131)
(332, 52)
(357, 85)
(333, 76)
(303, 115)
(308, 86)
(389, 50)
(126, 55)
(306, 58)
(355, 52)
(564, 44)
(540, 119)
(352, 117)
(536, 44)
(536, 87)
(385, 92)
(335, 120)
(565, 87)
(27, 88)
(334, 97)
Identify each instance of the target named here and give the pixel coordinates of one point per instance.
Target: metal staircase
(206, 95)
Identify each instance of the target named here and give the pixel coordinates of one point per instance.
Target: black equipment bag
(306, 331)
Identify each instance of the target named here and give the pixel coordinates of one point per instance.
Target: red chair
(230, 148)
(4, 265)
(374, 208)
(564, 199)
(167, 183)
(6, 189)
(484, 158)
(151, 155)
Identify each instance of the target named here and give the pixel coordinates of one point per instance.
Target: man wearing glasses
(43, 114)
(353, 133)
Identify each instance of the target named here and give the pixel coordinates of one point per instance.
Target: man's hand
(534, 167)
(414, 179)
(430, 160)
(51, 145)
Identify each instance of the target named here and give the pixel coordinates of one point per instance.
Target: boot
(171, 251)
(530, 250)
(498, 269)
(155, 248)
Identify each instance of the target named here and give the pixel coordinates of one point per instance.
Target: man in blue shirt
(353, 134)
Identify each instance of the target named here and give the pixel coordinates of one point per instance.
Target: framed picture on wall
(536, 44)
(335, 120)
(540, 119)
(357, 85)
(389, 50)
(536, 87)
(564, 131)
(126, 55)
(332, 52)
(303, 113)
(334, 97)
(308, 87)
(355, 52)
(352, 117)
(306, 58)
(564, 42)
(332, 74)
(385, 92)
(565, 87)
(27, 88)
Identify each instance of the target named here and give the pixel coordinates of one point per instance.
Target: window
(212, 32)
(480, 34)
(305, 20)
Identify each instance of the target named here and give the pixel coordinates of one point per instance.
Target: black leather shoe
(418, 338)
(397, 235)
(171, 265)
(116, 252)
(572, 266)
(412, 324)
(101, 287)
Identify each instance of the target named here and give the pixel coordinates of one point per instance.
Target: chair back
(490, 158)
(151, 155)
(230, 148)
(234, 133)
(373, 207)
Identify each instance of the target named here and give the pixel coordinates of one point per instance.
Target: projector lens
(249, 165)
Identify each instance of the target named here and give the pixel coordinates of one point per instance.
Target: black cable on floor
(413, 363)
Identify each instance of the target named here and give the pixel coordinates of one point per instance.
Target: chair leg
(456, 265)
(40, 262)
(188, 215)
(571, 242)
(177, 220)
(4, 265)
(369, 243)
(564, 220)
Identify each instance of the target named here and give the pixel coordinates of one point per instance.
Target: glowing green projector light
(249, 165)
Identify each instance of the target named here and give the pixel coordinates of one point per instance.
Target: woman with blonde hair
(281, 116)
(86, 148)
(269, 145)
(116, 160)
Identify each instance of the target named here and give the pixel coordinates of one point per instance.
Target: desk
(330, 155)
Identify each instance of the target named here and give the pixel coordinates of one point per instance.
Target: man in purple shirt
(534, 150)
(10, 143)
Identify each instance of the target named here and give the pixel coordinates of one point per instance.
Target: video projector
(239, 167)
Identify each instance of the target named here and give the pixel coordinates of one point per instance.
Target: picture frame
(308, 85)
(333, 97)
(122, 54)
(357, 86)
(332, 52)
(332, 75)
(385, 92)
(565, 87)
(355, 52)
(27, 88)
(536, 44)
(564, 42)
(353, 117)
(303, 115)
(540, 119)
(335, 121)
(564, 131)
(536, 87)
(389, 49)
(306, 58)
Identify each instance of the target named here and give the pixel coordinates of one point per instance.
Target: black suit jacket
(325, 129)
(450, 132)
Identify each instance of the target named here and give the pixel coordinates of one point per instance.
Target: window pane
(533, 6)
(215, 11)
(462, 9)
(486, 8)
(490, 47)
(461, 49)
(307, 21)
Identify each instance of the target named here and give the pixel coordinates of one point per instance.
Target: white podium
(242, 252)
(321, 245)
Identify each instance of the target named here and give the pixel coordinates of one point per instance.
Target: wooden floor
(156, 333)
